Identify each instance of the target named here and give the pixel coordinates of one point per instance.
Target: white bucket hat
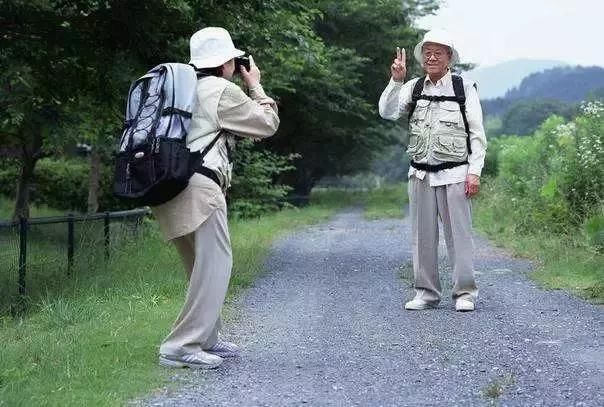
(212, 47)
(439, 37)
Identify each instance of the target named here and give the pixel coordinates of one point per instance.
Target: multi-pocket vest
(444, 140)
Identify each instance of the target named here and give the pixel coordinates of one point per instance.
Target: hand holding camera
(248, 70)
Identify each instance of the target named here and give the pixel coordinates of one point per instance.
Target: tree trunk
(305, 181)
(22, 202)
(31, 153)
(94, 181)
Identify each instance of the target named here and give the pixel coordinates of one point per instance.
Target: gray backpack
(153, 163)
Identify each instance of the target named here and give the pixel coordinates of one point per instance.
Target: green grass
(385, 202)
(47, 266)
(93, 339)
(564, 260)
(7, 207)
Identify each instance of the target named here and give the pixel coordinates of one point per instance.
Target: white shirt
(393, 103)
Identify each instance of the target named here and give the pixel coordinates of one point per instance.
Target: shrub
(555, 178)
(594, 228)
(254, 188)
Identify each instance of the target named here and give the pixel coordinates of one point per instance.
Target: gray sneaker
(224, 349)
(199, 360)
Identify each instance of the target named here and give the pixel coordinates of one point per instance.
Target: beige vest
(205, 127)
(437, 133)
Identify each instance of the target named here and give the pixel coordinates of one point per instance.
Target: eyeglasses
(438, 55)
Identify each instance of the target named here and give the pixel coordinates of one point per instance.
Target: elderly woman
(446, 148)
(196, 219)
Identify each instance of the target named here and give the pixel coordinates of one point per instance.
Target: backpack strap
(418, 88)
(460, 96)
(198, 161)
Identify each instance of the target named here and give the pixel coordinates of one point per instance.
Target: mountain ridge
(495, 80)
(570, 84)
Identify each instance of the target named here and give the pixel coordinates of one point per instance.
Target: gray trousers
(206, 255)
(448, 202)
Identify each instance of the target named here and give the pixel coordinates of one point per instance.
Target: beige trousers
(449, 203)
(206, 255)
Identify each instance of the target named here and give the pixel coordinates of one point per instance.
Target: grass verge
(385, 202)
(94, 339)
(564, 261)
(7, 207)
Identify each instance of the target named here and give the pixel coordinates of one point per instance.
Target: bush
(594, 228)
(555, 178)
(62, 184)
(254, 190)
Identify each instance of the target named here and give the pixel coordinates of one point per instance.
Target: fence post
(70, 242)
(22, 254)
(107, 235)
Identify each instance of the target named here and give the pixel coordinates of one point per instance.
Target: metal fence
(42, 253)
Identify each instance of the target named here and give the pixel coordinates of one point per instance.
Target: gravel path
(326, 327)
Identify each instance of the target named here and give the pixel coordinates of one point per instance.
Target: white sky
(488, 32)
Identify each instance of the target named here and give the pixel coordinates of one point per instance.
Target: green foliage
(254, 191)
(69, 87)
(549, 187)
(491, 162)
(525, 116)
(61, 184)
(556, 175)
(563, 260)
(594, 228)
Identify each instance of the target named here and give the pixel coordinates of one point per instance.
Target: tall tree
(56, 55)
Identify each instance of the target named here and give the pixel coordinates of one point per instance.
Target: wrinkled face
(436, 58)
(228, 69)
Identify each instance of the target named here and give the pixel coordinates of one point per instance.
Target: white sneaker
(224, 349)
(464, 305)
(418, 304)
(199, 360)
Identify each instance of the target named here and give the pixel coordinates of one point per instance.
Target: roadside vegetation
(543, 198)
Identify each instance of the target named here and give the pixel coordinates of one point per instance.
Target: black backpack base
(155, 174)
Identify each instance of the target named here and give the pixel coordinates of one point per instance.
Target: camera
(242, 61)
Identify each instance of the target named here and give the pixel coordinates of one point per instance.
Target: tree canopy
(66, 67)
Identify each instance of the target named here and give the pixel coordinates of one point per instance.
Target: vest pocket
(450, 147)
(418, 146)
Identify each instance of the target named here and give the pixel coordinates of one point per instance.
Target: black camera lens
(242, 61)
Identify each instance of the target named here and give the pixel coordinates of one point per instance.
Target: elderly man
(446, 148)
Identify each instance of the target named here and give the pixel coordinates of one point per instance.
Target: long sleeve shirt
(395, 100)
(223, 106)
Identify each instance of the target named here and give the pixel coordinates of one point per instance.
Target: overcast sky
(488, 32)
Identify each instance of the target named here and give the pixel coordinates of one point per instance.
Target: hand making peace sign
(398, 69)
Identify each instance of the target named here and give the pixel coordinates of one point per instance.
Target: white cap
(439, 37)
(212, 47)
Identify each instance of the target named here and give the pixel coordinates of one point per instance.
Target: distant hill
(494, 81)
(563, 84)
(570, 84)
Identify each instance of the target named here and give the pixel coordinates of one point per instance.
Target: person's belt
(210, 174)
(436, 167)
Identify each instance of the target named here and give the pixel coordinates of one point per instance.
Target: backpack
(153, 163)
(460, 98)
